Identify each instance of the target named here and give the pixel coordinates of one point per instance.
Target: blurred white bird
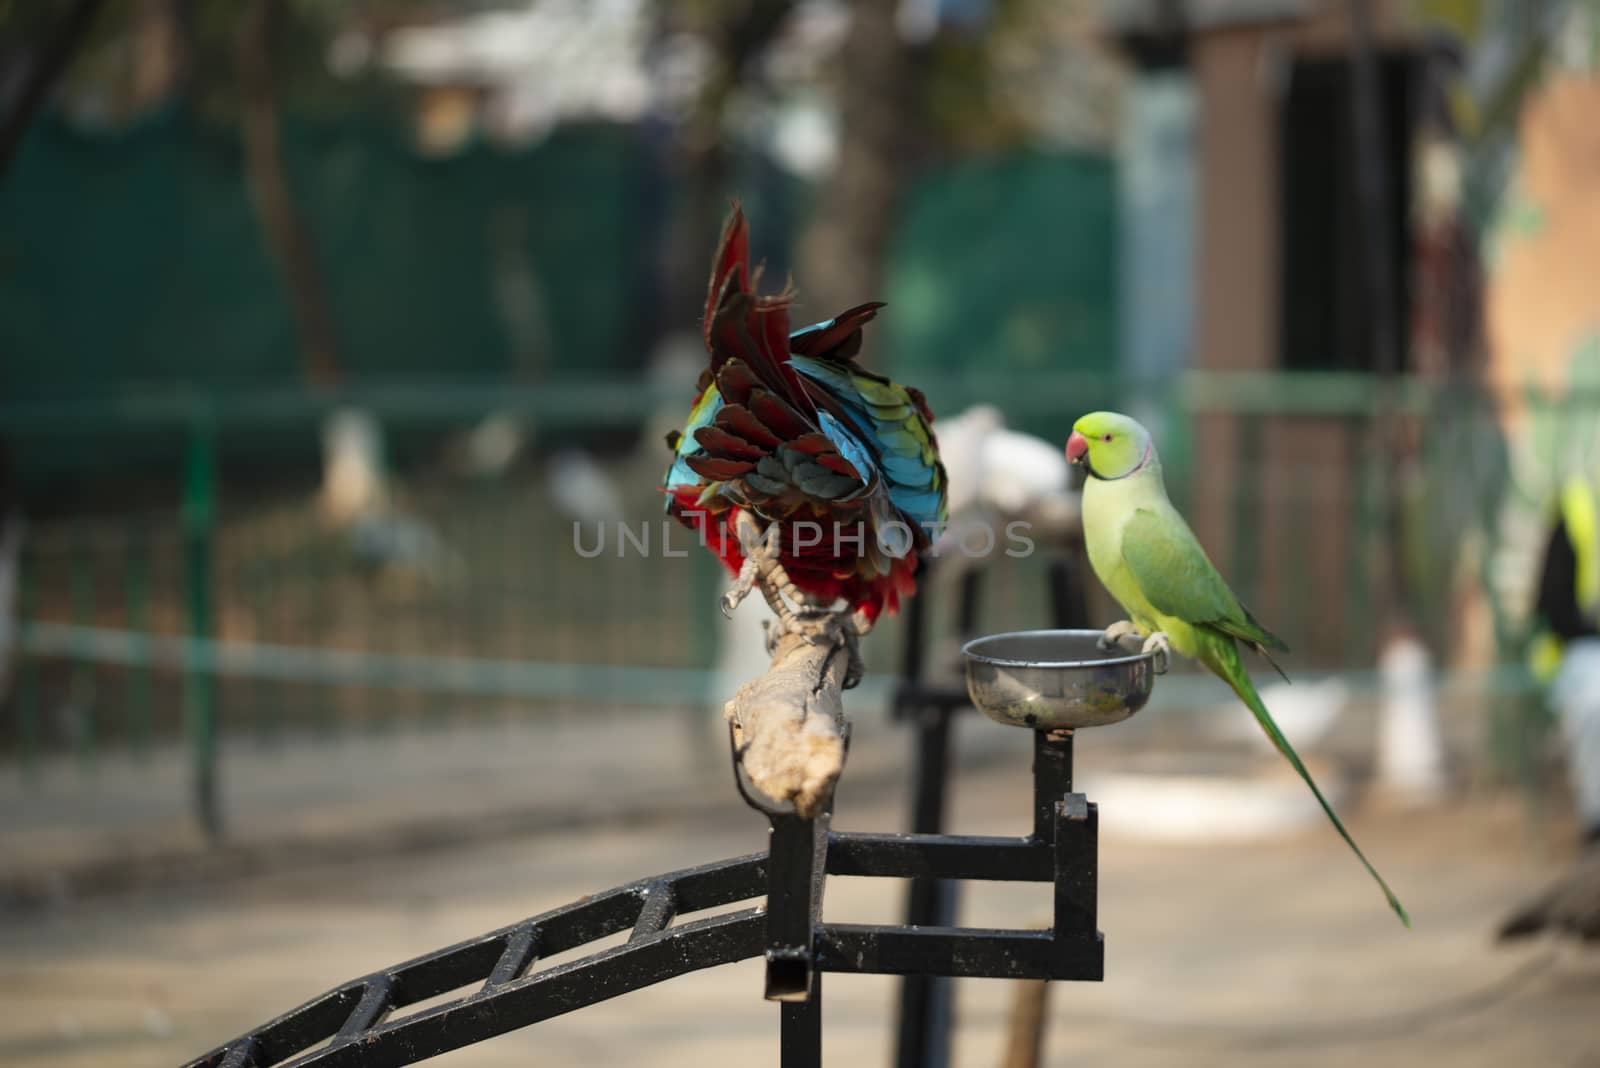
(392, 543)
(354, 481)
(357, 499)
(1002, 474)
(581, 489)
(493, 445)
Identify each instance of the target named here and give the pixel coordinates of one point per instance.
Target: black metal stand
(363, 1023)
(356, 1020)
(927, 1003)
(1062, 849)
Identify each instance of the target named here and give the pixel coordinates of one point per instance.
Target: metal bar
(287, 1035)
(500, 956)
(427, 977)
(931, 770)
(660, 905)
(721, 882)
(923, 1038)
(916, 629)
(923, 1033)
(688, 947)
(919, 698)
(926, 1000)
(472, 676)
(199, 523)
(140, 683)
(1052, 779)
(587, 921)
(577, 924)
(1069, 609)
(800, 1029)
(959, 952)
(1077, 840)
(967, 603)
(29, 695)
(939, 856)
(619, 401)
(521, 949)
(241, 1054)
(375, 1001)
(1249, 505)
(81, 687)
(796, 867)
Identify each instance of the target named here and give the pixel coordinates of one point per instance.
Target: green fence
(137, 258)
(236, 610)
(133, 259)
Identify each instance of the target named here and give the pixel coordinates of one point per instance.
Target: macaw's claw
(1159, 644)
(862, 622)
(748, 576)
(763, 570)
(1112, 636)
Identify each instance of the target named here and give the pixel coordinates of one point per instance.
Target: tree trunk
(288, 238)
(843, 254)
(160, 60)
(700, 160)
(48, 67)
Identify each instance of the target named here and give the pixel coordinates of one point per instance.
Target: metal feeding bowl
(1056, 679)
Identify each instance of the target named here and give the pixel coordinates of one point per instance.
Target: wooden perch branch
(789, 724)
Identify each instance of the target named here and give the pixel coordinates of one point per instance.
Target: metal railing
(223, 604)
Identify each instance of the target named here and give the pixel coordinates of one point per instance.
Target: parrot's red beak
(1077, 447)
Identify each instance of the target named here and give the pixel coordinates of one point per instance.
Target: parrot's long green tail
(1226, 663)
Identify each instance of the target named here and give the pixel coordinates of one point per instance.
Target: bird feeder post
(796, 863)
(927, 1002)
(923, 1040)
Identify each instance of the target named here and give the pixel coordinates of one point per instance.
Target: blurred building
(1244, 235)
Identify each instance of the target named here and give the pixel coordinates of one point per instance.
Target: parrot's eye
(1105, 437)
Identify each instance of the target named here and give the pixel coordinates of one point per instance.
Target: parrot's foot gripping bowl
(1056, 679)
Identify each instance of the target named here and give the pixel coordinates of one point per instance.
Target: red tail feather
(732, 259)
(841, 339)
(741, 325)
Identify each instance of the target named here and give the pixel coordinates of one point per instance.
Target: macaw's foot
(761, 570)
(796, 613)
(1113, 635)
(1159, 644)
(742, 586)
(817, 626)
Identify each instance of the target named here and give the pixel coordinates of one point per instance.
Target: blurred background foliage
(323, 321)
(428, 182)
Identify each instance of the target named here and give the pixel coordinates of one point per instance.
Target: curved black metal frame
(355, 1024)
(355, 1020)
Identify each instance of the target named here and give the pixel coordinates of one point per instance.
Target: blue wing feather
(679, 475)
(909, 466)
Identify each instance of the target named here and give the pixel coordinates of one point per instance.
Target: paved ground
(1273, 953)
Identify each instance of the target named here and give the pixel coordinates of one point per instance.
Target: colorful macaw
(1147, 557)
(806, 475)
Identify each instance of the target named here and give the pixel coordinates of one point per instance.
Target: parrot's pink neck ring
(1144, 461)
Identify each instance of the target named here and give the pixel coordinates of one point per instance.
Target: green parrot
(1150, 561)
